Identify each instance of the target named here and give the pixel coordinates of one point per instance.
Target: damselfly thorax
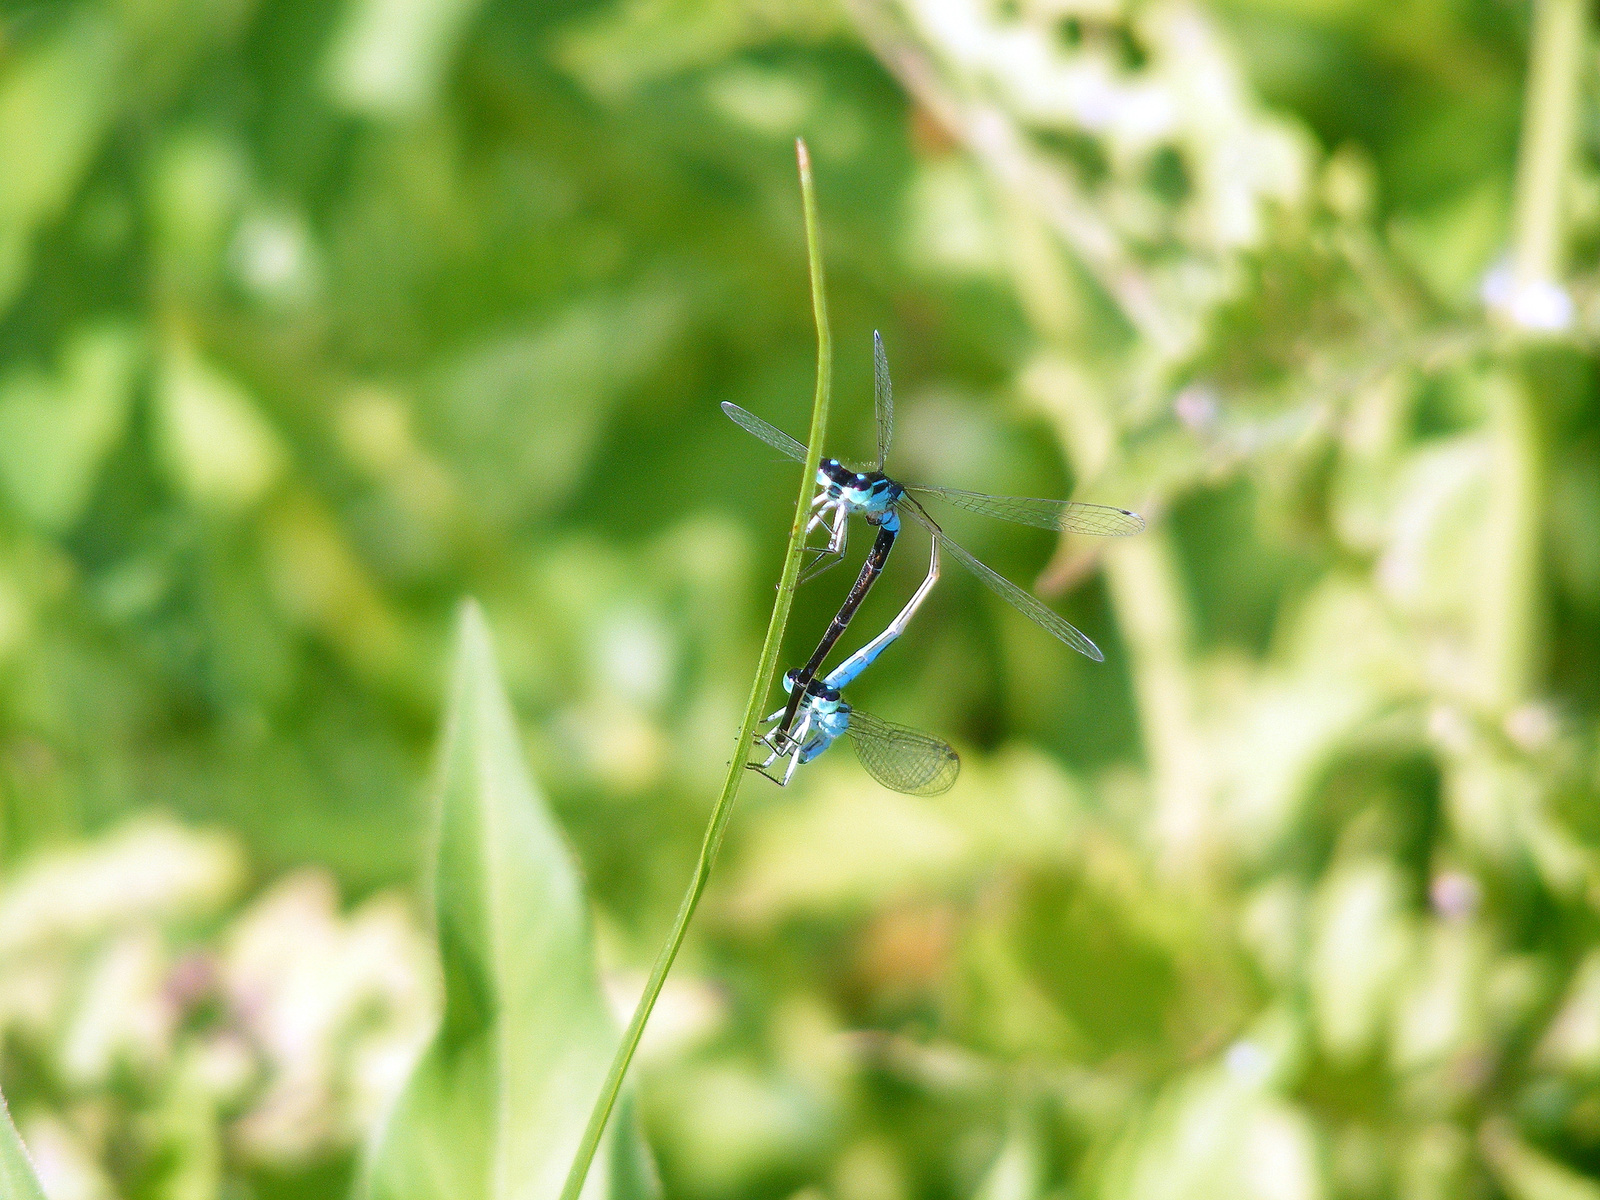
(870, 494)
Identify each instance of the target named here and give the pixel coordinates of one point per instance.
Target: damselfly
(901, 759)
(879, 499)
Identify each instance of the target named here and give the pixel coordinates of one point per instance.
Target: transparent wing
(882, 397)
(770, 434)
(1068, 516)
(1010, 592)
(902, 759)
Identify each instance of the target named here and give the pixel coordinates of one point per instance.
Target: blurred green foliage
(315, 318)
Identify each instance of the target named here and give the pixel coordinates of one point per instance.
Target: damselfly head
(824, 702)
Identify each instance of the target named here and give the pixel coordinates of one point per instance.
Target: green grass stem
(1508, 598)
(1549, 137)
(765, 670)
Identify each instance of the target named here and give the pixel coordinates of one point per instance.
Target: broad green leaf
(496, 1105)
(17, 1180)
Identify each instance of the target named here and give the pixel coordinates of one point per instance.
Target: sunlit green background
(317, 317)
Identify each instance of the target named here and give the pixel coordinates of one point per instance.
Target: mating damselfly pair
(816, 714)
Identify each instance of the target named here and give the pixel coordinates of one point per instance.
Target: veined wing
(770, 434)
(1067, 516)
(1010, 592)
(882, 397)
(902, 759)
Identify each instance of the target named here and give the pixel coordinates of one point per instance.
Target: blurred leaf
(950, 221)
(638, 41)
(197, 184)
(1438, 1012)
(166, 37)
(522, 411)
(1222, 1131)
(213, 440)
(737, 1125)
(1017, 1172)
(496, 1105)
(1273, 747)
(1276, 738)
(1432, 563)
(1526, 1174)
(1434, 1164)
(17, 1181)
(324, 587)
(1499, 805)
(54, 434)
(1104, 948)
(57, 99)
(1572, 1041)
(1451, 244)
(851, 843)
(391, 55)
(1574, 517)
(1361, 941)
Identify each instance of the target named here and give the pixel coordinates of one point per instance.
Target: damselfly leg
(900, 758)
(791, 754)
(832, 554)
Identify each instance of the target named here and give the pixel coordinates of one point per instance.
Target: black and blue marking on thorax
(872, 494)
(829, 715)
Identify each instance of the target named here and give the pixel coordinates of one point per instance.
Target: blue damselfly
(902, 759)
(879, 499)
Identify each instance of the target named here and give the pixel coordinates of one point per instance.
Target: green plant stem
(1146, 589)
(1508, 591)
(1142, 574)
(765, 669)
(1549, 124)
(1508, 599)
